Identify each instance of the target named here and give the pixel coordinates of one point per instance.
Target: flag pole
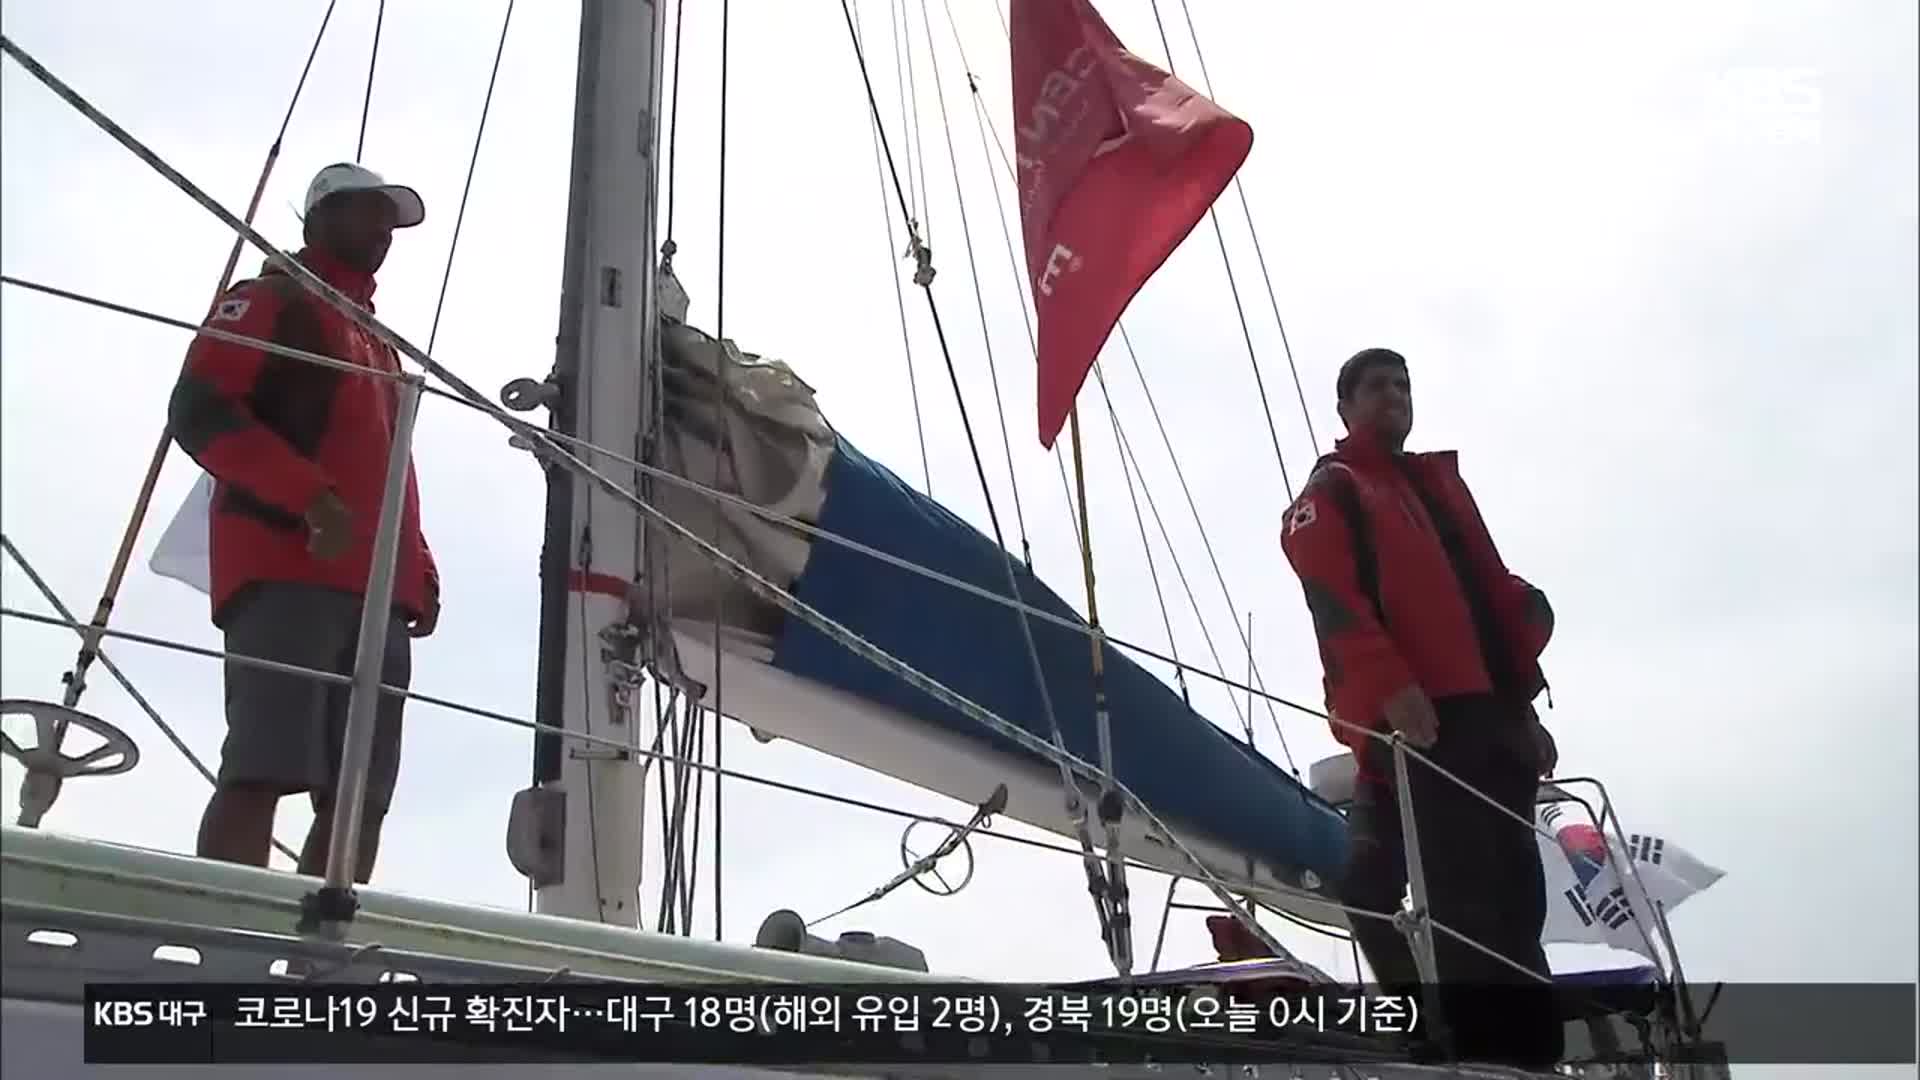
(1119, 917)
(76, 679)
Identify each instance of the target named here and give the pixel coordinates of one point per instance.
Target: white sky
(1655, 274)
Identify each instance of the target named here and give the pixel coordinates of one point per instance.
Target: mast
(576, 832)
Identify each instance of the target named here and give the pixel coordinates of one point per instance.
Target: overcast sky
(1654, 272)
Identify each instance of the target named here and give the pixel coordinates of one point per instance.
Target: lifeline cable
(598, 740)
(654, 472)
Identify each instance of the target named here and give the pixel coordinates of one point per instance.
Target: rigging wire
(1013, 261)
(153, 714)
(690, 728)
(1179, 567)
(899, 294)
(726, 452)
(1153, 572)
(366, 105)
(1106, 886)
(679, 879)
(1206, 541)
(1253, 231)
(953, 377)
(1233, 287)
(979, 298)
(473, 164)
(1006, 236)
(1075, 803)
(918, 129)
(673, 123)
(985, 119)
(906, 122)
(686, 856)
(804, 527)
(1013, 264)
(983, 122)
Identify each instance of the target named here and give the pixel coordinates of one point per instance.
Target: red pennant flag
(1118, 160)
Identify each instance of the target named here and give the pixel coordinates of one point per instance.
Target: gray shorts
(286, 731)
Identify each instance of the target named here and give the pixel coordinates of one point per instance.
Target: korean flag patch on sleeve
(1303, 514)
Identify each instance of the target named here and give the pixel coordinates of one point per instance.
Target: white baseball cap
(344, 177)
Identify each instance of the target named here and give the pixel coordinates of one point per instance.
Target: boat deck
(74, 911)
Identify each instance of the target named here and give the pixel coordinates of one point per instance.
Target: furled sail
(1252, 822)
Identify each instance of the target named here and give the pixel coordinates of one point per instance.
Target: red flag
(1118, 160)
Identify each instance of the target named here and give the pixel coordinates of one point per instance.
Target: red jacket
(274, 432)
(1429, 636)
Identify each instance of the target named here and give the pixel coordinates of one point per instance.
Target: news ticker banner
(983, 1023)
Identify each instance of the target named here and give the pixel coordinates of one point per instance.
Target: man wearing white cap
(298, 455)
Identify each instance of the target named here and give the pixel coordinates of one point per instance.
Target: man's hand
(423, 625)
(1411, 714)
(1546, 754)
(329, 527)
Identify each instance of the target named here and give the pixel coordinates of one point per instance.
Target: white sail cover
(1592, 899)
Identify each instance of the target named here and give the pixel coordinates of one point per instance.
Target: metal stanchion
(328, 910)
(1417, 925)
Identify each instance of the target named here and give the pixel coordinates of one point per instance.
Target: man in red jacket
(298, 452)
(1423, 631)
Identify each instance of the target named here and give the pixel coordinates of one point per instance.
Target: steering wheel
(909, 856)
(116, 755)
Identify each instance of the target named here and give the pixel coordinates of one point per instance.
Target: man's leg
(237, 826)
(1464, 870)
(383, 765)
(1538, 1033)
(276, 723)
(1485, 882)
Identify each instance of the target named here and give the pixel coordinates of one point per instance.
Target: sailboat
(759, 567)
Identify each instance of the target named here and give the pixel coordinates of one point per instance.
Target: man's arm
(209, 415)
(429, 620)
(1536, 613)
(1524, 603)
(1363, 667)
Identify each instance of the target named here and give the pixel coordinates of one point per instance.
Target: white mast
(576, 833)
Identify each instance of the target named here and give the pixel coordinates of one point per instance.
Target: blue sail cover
(1191, 773)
